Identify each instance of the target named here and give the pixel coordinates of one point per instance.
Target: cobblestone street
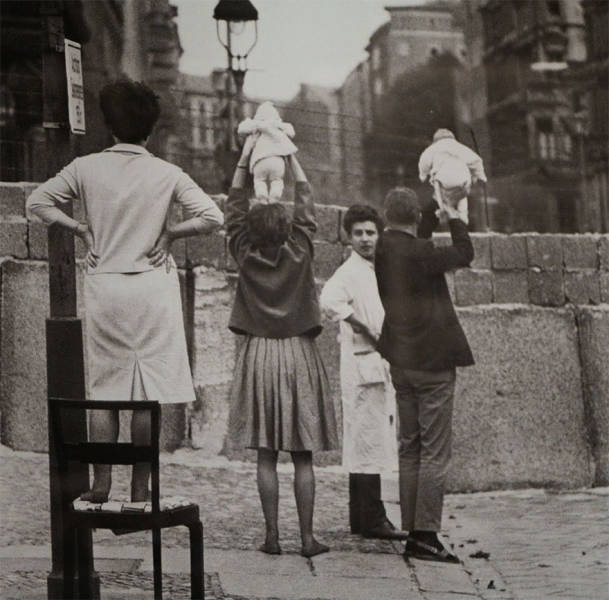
(527, 544)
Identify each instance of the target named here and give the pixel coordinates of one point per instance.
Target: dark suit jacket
(421, 330)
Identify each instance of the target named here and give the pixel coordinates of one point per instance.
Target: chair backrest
(107, 453)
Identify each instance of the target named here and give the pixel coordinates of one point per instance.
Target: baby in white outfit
(451, 168)
(271, 138)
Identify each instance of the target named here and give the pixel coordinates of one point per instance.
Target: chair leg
(69, 560)
(197, 570)
(157, 571)
(85, 565)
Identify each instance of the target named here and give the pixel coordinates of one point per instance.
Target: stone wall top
(529, 268)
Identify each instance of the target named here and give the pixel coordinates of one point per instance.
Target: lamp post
(236, 15)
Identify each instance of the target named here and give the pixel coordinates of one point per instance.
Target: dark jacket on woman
(421, 330)
(276, 295)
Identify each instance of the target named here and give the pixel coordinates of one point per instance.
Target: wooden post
(65, 363)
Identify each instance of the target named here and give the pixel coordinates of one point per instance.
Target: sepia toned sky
(309, 41)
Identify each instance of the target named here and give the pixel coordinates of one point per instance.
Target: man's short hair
(402, 206)
(358, 213)
(268, 225)
(130, 109)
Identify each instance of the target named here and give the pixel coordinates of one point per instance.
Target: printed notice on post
(76, 93)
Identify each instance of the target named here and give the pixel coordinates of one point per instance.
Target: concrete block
(580, 251)
(328, 223)
(544, 251)
(208, 250)
(13, 237)
(25, 306)
(214, 344)
(546, 288)
(519, 417)
(208, 418)
(508, 252)
(594, 350)
(603, 252)
(12, 200)
(473, 287)
(38, 241)
(482, 251)
(510, 287)
(604, 285)
(328, 257)
(441, 239)
(582, 287)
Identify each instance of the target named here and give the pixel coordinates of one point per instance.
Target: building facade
(137, 38)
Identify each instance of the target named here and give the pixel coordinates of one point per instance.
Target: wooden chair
(119, 453)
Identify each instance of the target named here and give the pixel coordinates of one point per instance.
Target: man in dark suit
(423, 341)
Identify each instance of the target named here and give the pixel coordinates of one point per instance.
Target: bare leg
(103, 427)
(268, 488)
(304, 491)
(140, 436)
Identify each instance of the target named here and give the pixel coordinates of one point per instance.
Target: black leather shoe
(385, 531)
(437, 551)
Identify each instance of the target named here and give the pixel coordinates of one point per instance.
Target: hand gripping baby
(270, 137)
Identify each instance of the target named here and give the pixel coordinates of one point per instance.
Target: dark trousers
(425, 405)
(366, 509)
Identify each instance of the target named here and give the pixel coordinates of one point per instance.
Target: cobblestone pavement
(528, 544)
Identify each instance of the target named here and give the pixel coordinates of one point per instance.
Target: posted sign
(76, 92)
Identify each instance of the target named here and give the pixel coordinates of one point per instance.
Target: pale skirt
(280, 397)
(135, 337)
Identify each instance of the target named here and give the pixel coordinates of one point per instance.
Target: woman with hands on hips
(135, 338)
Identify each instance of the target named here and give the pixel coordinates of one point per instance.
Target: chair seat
(117, 515)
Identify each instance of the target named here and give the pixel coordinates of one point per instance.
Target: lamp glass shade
(235, 10)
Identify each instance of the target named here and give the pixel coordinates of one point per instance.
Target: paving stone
(510, 287)
(12, 199)
(354, 564)
(450, 283)
(473, 287)
(437, 577)
(508, 251)
(544, 251)
(582, 287)
(580, 251)
(546, 288)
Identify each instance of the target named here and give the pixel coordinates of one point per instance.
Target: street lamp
(238, 43)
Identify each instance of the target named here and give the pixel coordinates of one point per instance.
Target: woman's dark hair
(402, 206)
(358, 213)
(130, 109)
(268, 225)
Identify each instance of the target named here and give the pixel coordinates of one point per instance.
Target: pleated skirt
(280, 397)
(136, 346)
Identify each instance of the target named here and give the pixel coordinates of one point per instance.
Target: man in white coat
(368, 398)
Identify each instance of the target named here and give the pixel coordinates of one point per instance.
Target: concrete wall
(532, 411)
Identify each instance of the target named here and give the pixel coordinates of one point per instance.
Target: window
(546, 140)
(553, 8)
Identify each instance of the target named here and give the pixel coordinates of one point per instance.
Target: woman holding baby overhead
(280, 397)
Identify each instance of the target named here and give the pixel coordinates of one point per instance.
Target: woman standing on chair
(280, 397)
(134, 330)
